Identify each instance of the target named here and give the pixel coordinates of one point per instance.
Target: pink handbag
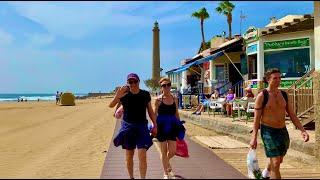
(182, 148)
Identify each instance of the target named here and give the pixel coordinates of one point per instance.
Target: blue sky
(91, 46)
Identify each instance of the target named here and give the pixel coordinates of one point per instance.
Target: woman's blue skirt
(169, 128)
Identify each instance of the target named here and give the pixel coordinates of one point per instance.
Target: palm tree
(226, 8)
(201, 14)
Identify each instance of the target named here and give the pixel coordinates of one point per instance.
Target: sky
(87, 47)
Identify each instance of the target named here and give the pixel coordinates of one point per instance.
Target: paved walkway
(202, 164)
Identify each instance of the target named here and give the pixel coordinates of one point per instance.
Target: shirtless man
(271, 120)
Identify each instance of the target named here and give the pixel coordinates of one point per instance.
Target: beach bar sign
(287, 44)
(251, 34)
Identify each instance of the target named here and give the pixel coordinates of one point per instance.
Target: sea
(31, 97)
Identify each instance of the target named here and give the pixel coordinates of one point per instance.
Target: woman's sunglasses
(166, 85)
(133, 82)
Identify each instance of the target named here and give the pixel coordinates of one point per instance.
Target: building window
(220, 73)
(244, 64)
(292, 63)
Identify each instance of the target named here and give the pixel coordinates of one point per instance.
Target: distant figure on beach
(57, 97)
(134, 132)
(169, 124)
(18, 99)
(271, 106)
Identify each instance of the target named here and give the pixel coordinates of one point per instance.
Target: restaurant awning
(200, 61)
(231, 45)
(209, 58)
(184, 67)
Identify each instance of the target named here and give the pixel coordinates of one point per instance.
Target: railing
(224, 88)
(301, 94)
(237, 89)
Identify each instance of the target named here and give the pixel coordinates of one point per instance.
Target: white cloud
(77, 20)
(5, 38)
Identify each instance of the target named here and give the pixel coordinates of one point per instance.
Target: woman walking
(169, 124)
(134, 131)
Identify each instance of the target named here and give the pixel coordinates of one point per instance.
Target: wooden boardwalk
(202, 164)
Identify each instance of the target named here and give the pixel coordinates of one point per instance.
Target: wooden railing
(301, 94)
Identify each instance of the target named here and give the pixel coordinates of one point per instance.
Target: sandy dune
(42, 140)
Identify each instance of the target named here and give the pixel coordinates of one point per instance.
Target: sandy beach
(43, 140)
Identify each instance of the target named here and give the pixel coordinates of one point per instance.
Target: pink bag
(182, 148)
(119, 113)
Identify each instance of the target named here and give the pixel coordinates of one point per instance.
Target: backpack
(266, 97)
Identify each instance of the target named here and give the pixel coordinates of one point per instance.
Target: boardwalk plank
(202, 163)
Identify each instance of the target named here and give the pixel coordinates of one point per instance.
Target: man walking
(134, 132)
(270, 111)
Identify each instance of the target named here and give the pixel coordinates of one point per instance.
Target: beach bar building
(287, 44)
(216, 67)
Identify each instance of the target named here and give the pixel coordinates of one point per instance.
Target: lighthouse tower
(156, 53)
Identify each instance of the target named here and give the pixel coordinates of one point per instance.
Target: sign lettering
(287, 44)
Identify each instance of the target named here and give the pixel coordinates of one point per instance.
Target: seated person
(231, 96)
(216, 94)
(205, 102)
(248, 95)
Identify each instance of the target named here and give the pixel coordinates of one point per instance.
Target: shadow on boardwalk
(202, 164)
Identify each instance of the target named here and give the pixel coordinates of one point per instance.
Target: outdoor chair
(186, 101)
(194, 101)
(216, 107)
(250, 110)
(238, 108)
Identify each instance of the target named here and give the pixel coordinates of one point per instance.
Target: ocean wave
(31, 98)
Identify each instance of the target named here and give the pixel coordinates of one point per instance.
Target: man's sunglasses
(134, 81)
(166, 85)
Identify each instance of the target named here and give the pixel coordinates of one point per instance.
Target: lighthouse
(156, 53)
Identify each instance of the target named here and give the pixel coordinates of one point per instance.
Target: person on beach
(134, 132)
(231, 96)
(169, 125)
(271, 106)
(249, 94)
(216, 94)
(57, 97)
(205, 102)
